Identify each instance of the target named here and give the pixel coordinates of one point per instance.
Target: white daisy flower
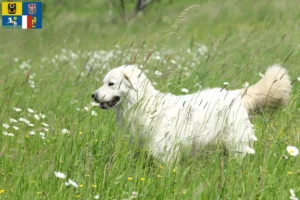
(17, 109)
(24, 120)
(6, 126)
(32, 133)
(60, 175)
(260, 74)
(158, 73)
(135, 194)
(246, 84)
(30, 110)
(202, 49)
(73, 183)
(45, 129)
(42, 134)
(12, 120)
(249, 150)
(31, 125)
(94, 113)
(293, 196)
(94, 104)
(16, 128)
(96, 196)
(298, 78)
(78, 109)
(157, 57)
(65, 130)
(44, 124)
(225, 83)
(8, 134)
(43, 116)
(37, 117)
(293, 151)
(86, 108)
(184, 90)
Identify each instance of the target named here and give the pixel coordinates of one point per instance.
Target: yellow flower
(96, 140)
(129, 178)
(290, 173)
(39, 192)
(159, 176)
(1, 191)
(94, 185)
(80, 132)
(10, 173)
(143, 179)
(174, 170)
(78, 196)
(81, 185)
(161, 167)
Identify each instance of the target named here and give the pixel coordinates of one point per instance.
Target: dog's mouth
(109, 104)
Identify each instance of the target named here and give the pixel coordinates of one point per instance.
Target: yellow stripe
(5, 8)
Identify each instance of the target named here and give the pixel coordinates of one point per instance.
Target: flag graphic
(22, 15)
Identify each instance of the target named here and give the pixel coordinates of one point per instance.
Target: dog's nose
(94, 96)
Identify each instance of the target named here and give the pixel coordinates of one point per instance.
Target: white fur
(211, 116)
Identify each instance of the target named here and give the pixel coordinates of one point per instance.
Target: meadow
(48, 123)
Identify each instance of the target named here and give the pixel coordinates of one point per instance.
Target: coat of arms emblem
(31, 8)
(12, 8)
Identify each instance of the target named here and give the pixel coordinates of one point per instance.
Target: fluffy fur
(210, 116)
(272, 91)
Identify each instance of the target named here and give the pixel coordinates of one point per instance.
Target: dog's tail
(272, 91)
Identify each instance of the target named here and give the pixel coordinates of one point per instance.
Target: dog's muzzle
(106, 104)
(109, 104)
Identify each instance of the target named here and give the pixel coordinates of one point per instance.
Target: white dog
(211, 116)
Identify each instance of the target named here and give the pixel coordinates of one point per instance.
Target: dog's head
(117, 84)
(12, 8)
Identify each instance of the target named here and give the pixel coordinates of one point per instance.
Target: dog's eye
(110, 83)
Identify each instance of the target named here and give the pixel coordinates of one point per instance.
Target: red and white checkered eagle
(32, 8)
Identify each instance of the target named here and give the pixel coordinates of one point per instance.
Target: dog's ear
(127, 81)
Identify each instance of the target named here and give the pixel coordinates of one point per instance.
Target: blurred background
(98, 24)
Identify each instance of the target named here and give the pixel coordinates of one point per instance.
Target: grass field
(54, 71)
